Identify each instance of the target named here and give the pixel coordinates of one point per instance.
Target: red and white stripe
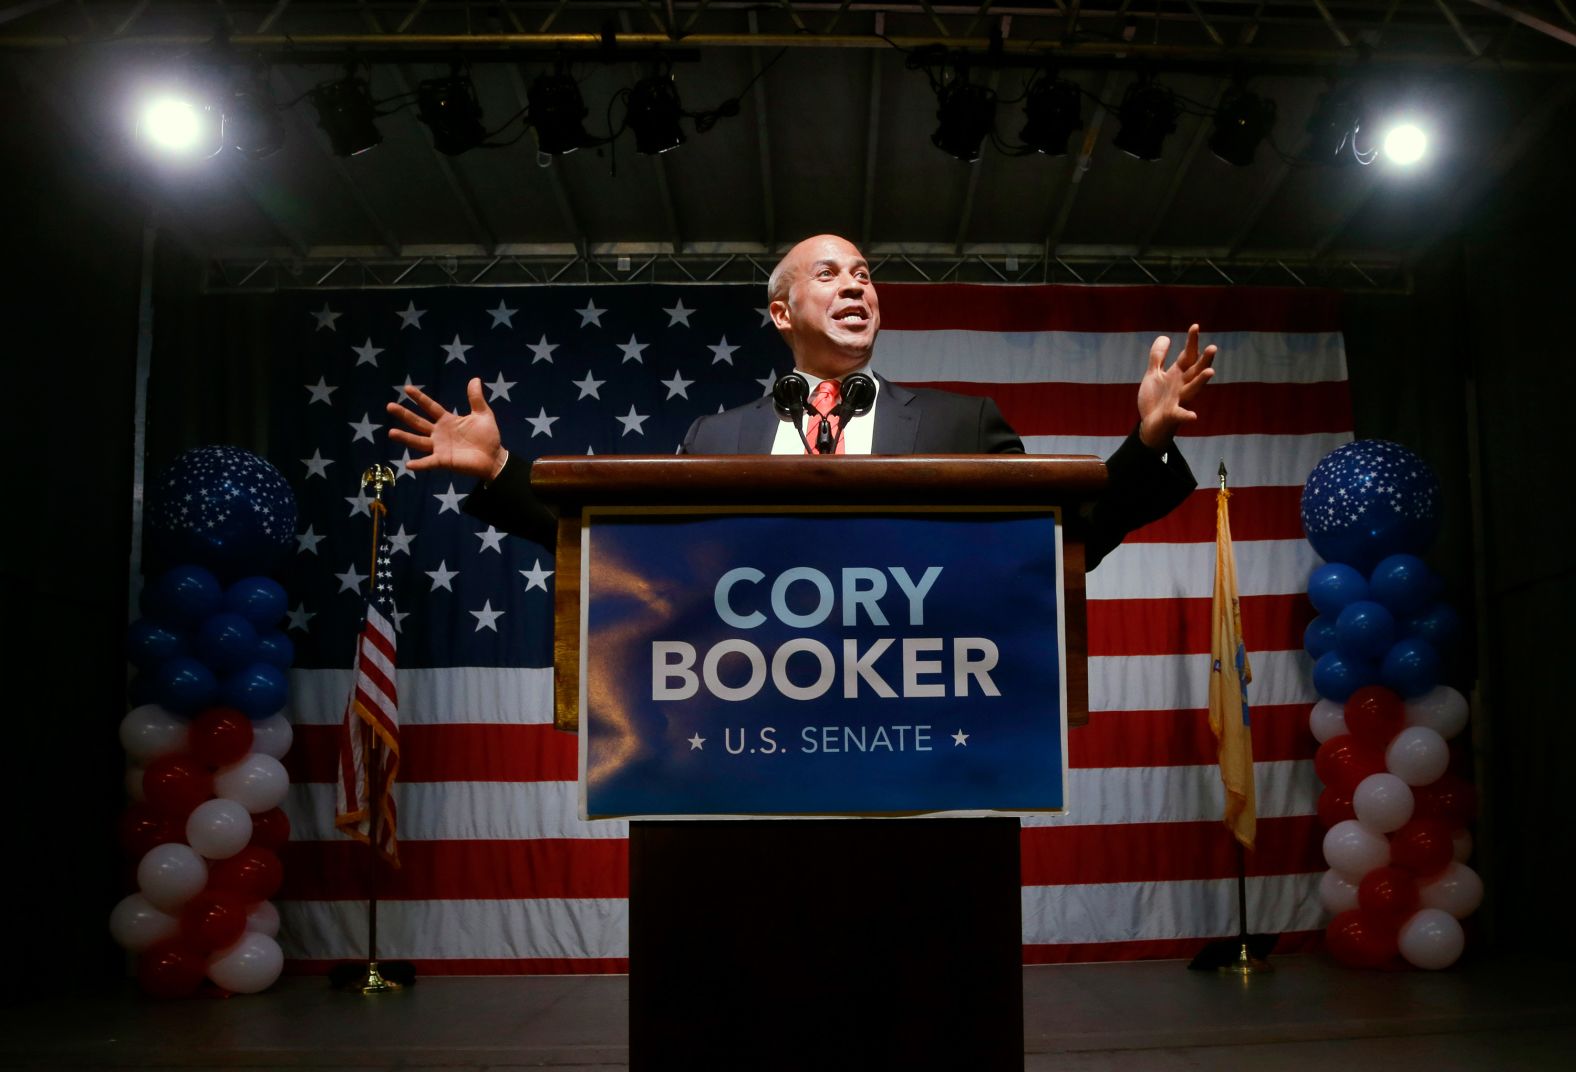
(367, 746)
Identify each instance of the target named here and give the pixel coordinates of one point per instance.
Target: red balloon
(1375, 714)
(1389, 893)
(270, 829)
(1342, 762)
(1451, 800)
(171, 969)
(254, 873)
(1335, 806)
(213, 919)
(1423, 846)
(176, 784)
(1360, 939)
(221, 736)
(142, 827)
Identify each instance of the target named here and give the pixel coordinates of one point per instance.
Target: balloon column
(1395, 816)
(206, 736)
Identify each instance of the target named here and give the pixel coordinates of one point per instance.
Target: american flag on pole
(501, 877)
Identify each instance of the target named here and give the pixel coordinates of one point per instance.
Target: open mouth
(855, 315)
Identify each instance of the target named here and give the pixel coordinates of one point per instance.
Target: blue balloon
(1319, 637)
(1364, 630)
(260, 600)
(1333, 585)
(182, 597)
(225, 642)
(1337, 676)
(1370, 499)
(224, 508)
(148, 643)
(1440, 625)
(1411, 668)
(276, 649)
(184, 686)
(258, 691)
(1403, 583)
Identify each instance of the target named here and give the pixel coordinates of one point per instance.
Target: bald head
(824, 305)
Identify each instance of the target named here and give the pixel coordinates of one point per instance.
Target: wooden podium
(822, 943)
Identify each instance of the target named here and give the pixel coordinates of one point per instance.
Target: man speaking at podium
(824, 304)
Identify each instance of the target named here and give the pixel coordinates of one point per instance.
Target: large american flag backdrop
(499, 876)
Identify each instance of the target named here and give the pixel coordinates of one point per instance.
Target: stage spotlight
(653, 113)
(1244, 120)
(345, 112)
(556, 111)
(1148, 115)
(181, 126)
(1405, 143)
(451, 111)
(1051, 115)
(1333, 126)
(966, 114)
(252, 126)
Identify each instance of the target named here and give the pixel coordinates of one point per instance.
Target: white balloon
(149, 731)
(1417, 755)
(1337, 893)
(1382, 802)
(1442, 709)
(1458, 890)
(170, 875)
(1463, 845)
(248, 966)
(135, 924)
(264, 919)
(134, 783)
(218, 829)
(1327, 720)
(1354, 850)
(257, 782)
(272, 736)
(1431, 939)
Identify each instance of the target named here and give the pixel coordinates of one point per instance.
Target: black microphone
(790, 397)
(858, 395)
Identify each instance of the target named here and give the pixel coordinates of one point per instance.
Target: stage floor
(1309, 1014)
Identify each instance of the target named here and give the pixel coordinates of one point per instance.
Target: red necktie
(822, 402)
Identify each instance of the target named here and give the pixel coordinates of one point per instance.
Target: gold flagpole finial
(380, 477)
(1222, 474)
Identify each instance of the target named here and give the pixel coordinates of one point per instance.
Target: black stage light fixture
(252, 125)
(556, 111)
(1333, 126)
(653, 113)
(345, 112)
(965, 113)
(1243, 120)
(1051, 114)
(451, 111)
(1148, 114)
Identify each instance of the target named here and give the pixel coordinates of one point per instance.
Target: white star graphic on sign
(632, 350)
(399, 542)
(590, 314)
(492, 540)
(450, 500)
(767, 382)
(366, 353)
(960, 738)
(455, 350)
(633, 421)
(364, 428)
(502, 315)
(678, 314)
(678, 386)
(487, 617)
(588, 387)
(402, 467)
(350, 580)
(766, 316)
(325, 318)
(536, 576)
(541, 424)
(308, 541)
(410, 317)
(399, 391)
(500, 389)
(317, 465)
(320, 391)
(442, 576)
(542, 351)
(697, 742)
(722, 351)
(300, 616)
(360, 503)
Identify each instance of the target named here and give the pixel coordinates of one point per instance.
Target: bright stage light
(174, 125)
(1405, 143)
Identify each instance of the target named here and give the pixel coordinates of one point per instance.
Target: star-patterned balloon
(224, 508)
(1368, 500)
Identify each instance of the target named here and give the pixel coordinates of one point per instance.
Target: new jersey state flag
(1229, 675)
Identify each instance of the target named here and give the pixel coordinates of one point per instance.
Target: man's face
(830, 315)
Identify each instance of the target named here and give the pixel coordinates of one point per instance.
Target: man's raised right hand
(462, 443)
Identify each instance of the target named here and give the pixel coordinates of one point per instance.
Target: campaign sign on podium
(815, 661)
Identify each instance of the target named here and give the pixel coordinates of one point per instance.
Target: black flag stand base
(1246, 954)
(372, 977)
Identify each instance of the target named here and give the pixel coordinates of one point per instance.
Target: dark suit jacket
(1144, 486)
